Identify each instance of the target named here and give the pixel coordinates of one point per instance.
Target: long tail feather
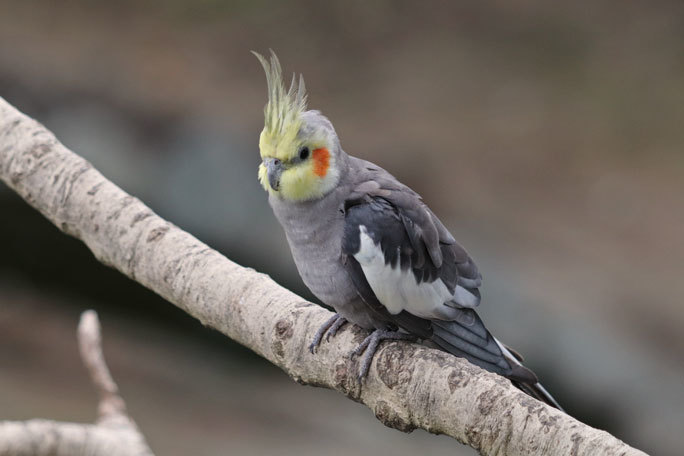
(467, 337)
(536, 390)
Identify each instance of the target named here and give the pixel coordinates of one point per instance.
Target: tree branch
(409, 386)
(114, 434)
(111, 405)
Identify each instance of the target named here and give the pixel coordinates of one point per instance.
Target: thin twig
(90, 346)
(114, 434)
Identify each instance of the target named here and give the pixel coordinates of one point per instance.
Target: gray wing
(413, 238)
(403, 261)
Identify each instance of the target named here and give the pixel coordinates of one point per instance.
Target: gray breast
(314, 232)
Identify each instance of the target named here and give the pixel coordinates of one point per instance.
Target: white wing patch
(399, 290)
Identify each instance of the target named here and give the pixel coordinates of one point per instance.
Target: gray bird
(368, 246)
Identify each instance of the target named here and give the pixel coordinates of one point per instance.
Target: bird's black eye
(303, 153)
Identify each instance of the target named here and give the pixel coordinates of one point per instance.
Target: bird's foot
(335, 327)
(370, 345)
(330, 327)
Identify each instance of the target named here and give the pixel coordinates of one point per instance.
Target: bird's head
(300, 150)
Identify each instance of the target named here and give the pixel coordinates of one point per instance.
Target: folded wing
(405, 263)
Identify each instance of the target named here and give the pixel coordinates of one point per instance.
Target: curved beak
(274, 168)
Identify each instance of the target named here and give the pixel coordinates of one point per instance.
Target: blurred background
(547, 136)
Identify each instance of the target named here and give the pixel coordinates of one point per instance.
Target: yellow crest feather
(284, 108)
(281, 139)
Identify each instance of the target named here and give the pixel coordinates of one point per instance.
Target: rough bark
(114, 433)
(409, 386)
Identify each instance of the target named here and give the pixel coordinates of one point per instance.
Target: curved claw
(370, 345)
(334, 328)
(331, 326)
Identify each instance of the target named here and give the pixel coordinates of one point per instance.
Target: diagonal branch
(409, 386)
(114, 434)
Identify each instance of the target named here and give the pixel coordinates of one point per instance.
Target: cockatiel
(368, 246)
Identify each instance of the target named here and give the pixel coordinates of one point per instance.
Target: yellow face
(295, 169)
(298, 163)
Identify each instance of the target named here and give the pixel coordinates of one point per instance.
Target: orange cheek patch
(321, 159)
